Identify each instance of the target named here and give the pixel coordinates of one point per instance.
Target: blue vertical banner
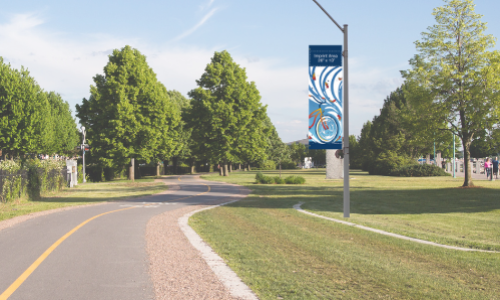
(325, 97)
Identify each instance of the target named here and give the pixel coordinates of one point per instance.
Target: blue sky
(65, 43)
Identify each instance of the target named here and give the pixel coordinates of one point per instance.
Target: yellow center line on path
(16, 284)
(13, 287)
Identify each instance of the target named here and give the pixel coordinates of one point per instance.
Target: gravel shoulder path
(178, 270)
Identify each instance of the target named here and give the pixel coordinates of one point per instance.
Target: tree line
(131, 115)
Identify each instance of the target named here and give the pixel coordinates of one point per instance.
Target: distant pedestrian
(495, 167)
(487, 167)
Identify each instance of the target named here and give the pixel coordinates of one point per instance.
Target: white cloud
(66, 64)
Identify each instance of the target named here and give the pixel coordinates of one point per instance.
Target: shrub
(44, 175)
(258, 177)
(387, 162)
(278, 180)
(261, 178)
(295, 180)
(419, 171)
(13, 181)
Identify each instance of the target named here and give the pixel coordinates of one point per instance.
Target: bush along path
(263, 179)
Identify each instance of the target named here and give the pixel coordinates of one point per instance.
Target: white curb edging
(298, 208)
(228, 277)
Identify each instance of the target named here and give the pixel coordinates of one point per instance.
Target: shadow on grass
(369, 201)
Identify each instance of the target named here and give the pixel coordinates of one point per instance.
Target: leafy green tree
(25, 118)
(226, 116)
(253, 139)
(129, 113)
(446, 148)
(276, 150)
(365, 149)
(457, 76)
(484, 145)
(184, 149)
(298, 152)
(355, 153)
(399, 129)
(66, 136)
(389, 138)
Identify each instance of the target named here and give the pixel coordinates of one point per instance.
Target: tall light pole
(347, 200)
(83, 149)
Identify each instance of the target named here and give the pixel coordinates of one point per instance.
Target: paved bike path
(105, 258)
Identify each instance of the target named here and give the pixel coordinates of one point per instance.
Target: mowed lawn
(282, 253)
(82, 194)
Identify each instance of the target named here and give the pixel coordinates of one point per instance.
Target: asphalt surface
(104, 259)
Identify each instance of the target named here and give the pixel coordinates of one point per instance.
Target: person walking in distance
(487, 167)
(495, 167)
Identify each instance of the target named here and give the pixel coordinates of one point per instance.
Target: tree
(25, 118)
(184, 149)
(356, 153)
(276, 150)
(483, 145)
(129, 114)
(226, 116)
(66, 135)
(456, 75)
(398, 135)
(364, 149)
(298, 152)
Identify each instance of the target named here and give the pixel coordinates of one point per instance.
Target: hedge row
(419, 171)
(32, 178)
(263, 179)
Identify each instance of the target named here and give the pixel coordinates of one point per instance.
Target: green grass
(82, 194)
(280, 252)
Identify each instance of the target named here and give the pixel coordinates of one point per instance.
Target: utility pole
(83, 156)
(347, 204)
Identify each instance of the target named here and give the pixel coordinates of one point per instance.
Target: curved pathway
(101, 251)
